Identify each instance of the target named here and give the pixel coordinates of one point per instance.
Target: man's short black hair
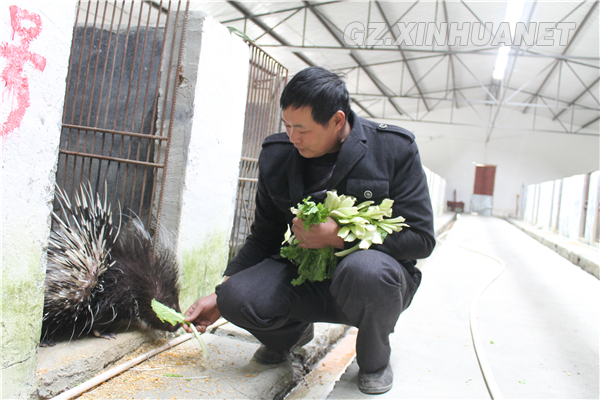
(322, 90)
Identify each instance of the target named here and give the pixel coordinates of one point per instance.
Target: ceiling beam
(505, 128)
(581, 25)
(588, 123)
(412, 75)
(504, 84)
(264, 27)
(369, 73)
(587, 89)
(451, 59)
(283, 10)
(483, 51)
(365, 109)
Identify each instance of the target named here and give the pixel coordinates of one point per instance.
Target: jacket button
(382, 126)
(368, 194)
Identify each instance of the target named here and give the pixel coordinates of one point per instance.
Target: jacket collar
(353, 149)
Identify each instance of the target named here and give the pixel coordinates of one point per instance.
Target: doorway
(483, 189)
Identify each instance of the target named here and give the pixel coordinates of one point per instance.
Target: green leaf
(173, 375)
(312, 213)
(365, 222)
(173, 317)
(522, 381)
(205, 352)
(165, 313)
(239, 33)
(313, 264)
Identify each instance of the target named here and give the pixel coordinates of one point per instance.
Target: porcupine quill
(100, 275)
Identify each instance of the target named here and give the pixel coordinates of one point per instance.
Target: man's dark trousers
(368, 290)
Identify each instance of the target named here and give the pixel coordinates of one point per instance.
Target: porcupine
(100, 275)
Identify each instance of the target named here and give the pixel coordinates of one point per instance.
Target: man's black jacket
(376, 161)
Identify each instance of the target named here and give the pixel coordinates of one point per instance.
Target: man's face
(309, 137)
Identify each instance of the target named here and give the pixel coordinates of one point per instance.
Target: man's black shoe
(267, 356)
(376, 382)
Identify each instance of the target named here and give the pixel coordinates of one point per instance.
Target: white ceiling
(546, 88)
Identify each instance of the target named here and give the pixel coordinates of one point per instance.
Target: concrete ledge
(443, 221)
(586, 257)
(67, 364)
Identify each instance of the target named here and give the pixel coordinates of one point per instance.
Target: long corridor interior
(537, 321)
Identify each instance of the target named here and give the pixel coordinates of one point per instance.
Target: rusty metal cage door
(266, 82)
(119, 101)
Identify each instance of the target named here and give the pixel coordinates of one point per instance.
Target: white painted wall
(28, 156)
(558, 206)
(210, 186)
(437, 191)
(522, 158)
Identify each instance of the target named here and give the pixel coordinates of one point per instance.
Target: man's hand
(203, 313)
(318, 236)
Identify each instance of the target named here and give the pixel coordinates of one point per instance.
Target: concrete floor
(539, 322)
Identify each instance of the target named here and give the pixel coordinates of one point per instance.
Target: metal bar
(119, 90)
(114, 132)
(503, 85)
(279, 23)
(102, 136)
(423, 77)
(477, 79)
(583, 22)
(140, 74)
(399, 19)
(94, 87)
(266, 79)
(85, 88)
(474, 101)
(304, 25)
(412, 75)
(172, 118)
(365, 109)
(71, 59)
(107, 158)
(378, 84)
(588, 123)
(127, 98)
(450, 49)
(265, 28)
(164, 108)
(75, 95)
(508, 128)
(129, 90)
(587, 89)
(283, 10)
(583, 83)
(158, 19)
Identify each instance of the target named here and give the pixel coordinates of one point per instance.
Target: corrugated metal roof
(557, 85)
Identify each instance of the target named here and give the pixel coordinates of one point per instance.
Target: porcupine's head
(147, 273)
(78, 256)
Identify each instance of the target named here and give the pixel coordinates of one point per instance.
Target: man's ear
(339, 119)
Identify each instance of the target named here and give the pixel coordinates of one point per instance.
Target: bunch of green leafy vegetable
(165, 313)
(366, 223)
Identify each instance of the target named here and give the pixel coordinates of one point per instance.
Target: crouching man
(326, 146)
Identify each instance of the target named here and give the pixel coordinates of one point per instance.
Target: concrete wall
(211, 164)
(203, 167)
(35, 44)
